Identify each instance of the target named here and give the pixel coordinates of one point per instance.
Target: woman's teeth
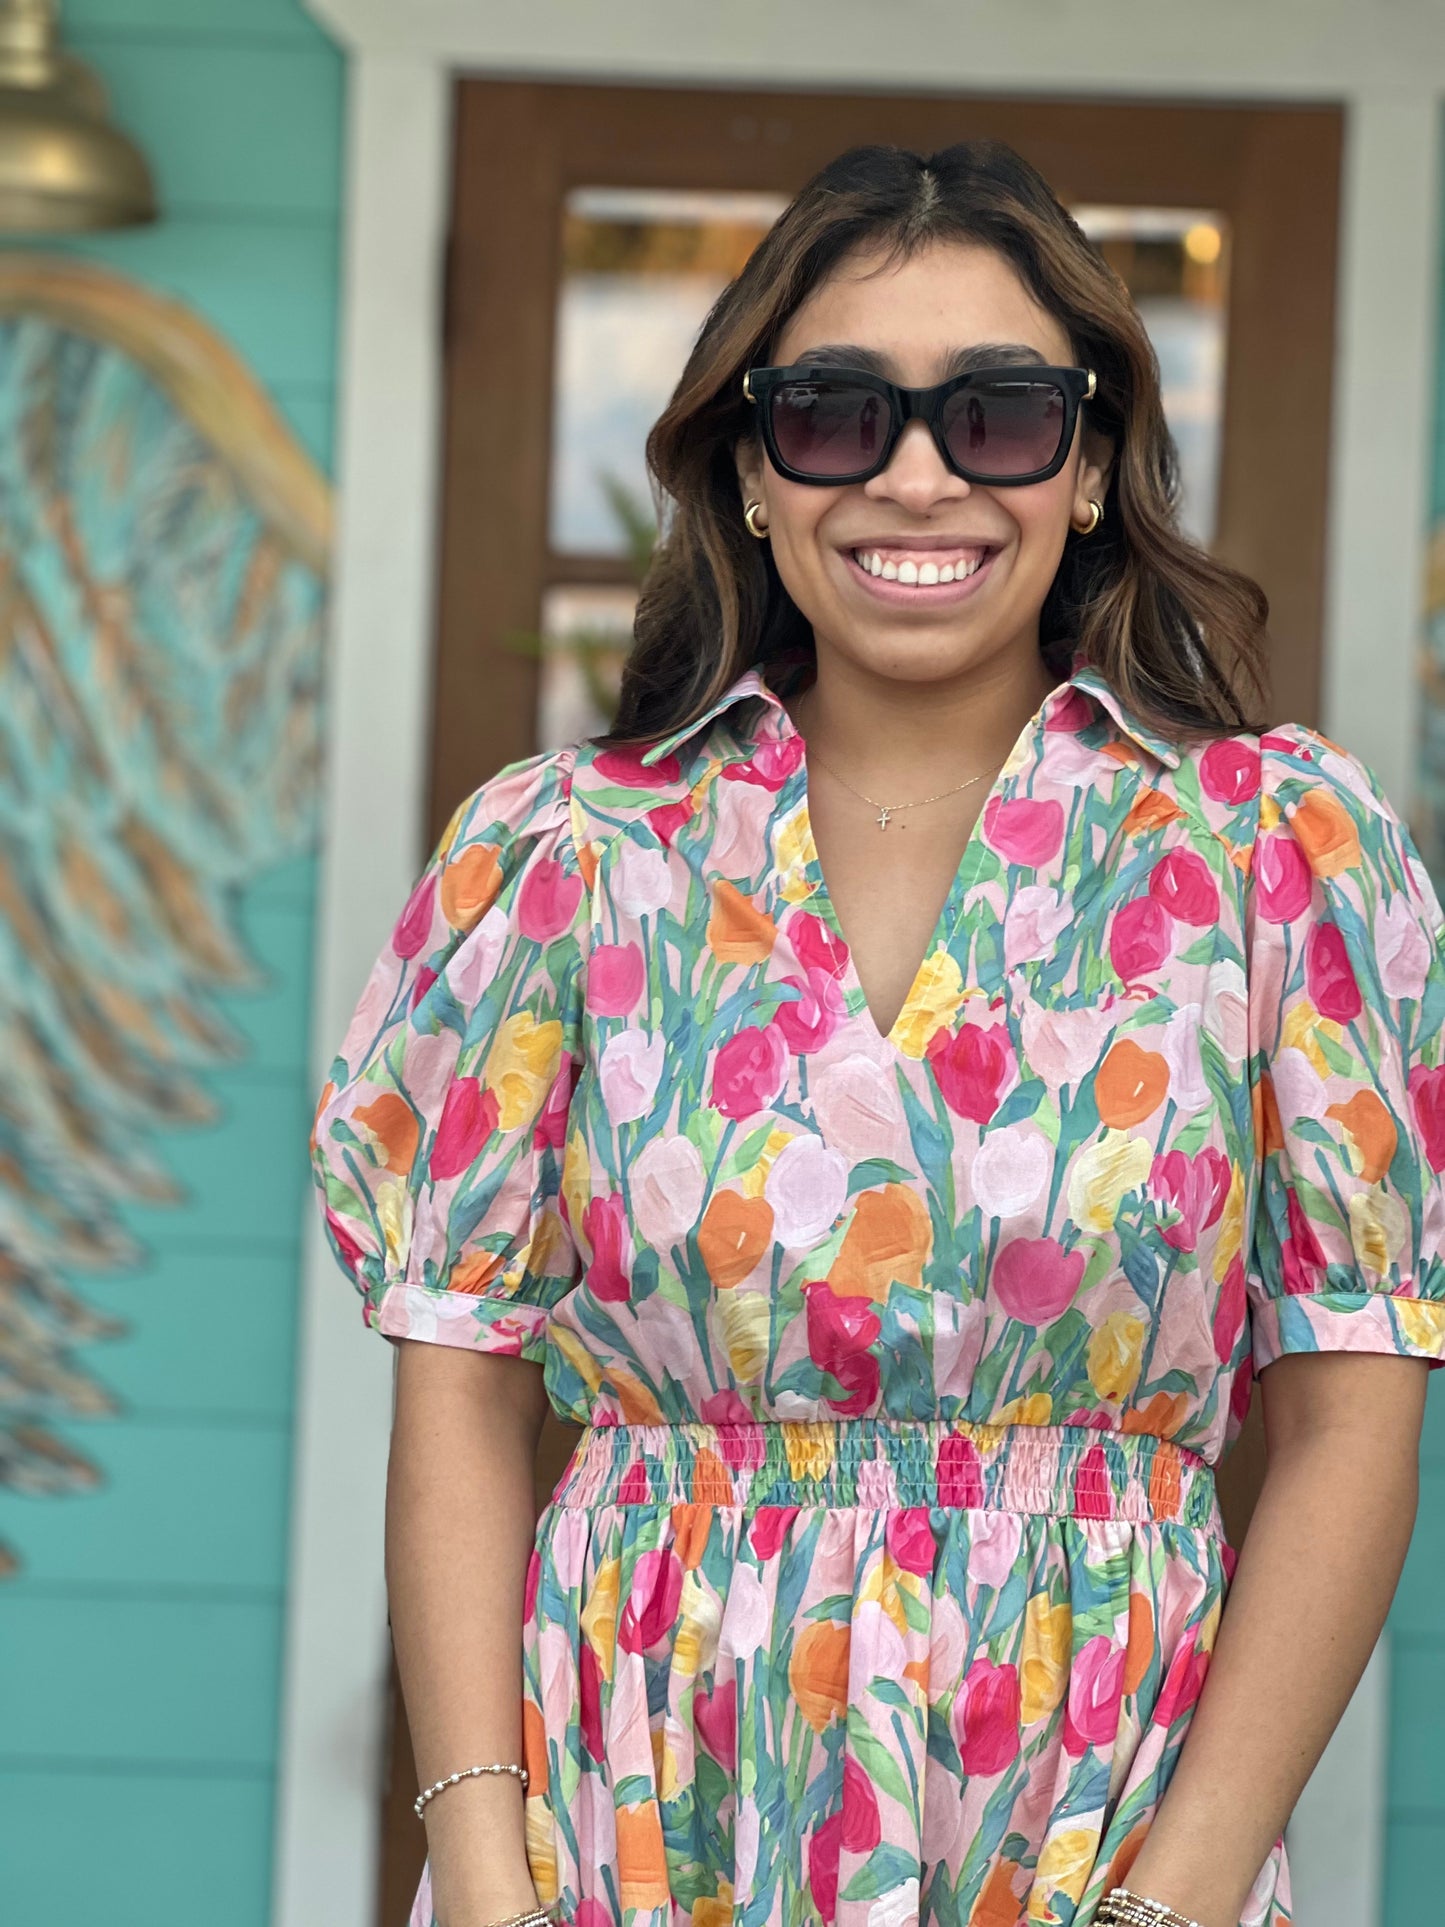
(920, 573)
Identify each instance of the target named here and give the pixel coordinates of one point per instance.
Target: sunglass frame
(1077, 385)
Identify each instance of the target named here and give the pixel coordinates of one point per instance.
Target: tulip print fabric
(885, 1574)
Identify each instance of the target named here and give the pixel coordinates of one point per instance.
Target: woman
(899, 1087)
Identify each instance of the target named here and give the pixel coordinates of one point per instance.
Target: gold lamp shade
(63, 165)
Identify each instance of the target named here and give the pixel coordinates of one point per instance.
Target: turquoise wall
(1415, 1830)
(140, 1645)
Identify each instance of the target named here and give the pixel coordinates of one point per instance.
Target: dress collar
(1082, 677)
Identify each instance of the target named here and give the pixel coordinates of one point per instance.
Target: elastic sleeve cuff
(1348, 1321)
(469, 1320)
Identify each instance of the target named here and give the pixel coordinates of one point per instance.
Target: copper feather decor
(163, 558)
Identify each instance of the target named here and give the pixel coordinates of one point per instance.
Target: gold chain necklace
(885, 810)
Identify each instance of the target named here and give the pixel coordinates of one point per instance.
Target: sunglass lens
(1004, 428)
(829, 428)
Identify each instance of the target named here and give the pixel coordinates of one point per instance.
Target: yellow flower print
(576, 1176)
(1063, 1867)
(694, 1645)
(582, 1361)
(542, 1850)
(1115, 1350)
(1377, 1228)
(1035, 1409)
(1301, 1031)
(394, 1209)
(521, 1066)
(1231, 1226)
(793, 851)
(1103, 1174)
(599, 1615)
(1269, 814)
(756, 1176)
(714, 1910)
(1044, 1666)
(810, 1448)
(933, 1001)
(1423, 1322)
(744, 1317)
(887, 1582)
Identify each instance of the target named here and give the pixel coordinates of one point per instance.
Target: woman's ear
(748, 457)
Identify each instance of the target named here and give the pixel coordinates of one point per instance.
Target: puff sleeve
(439, 1136)
(1347, 1065)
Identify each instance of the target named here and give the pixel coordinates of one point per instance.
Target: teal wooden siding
(1415, 1794)
(140, 1647)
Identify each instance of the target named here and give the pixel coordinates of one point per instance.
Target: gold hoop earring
(748, 513)
(1097, 518)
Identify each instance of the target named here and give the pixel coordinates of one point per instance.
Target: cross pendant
(883, 816)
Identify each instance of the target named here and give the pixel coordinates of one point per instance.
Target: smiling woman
(901, 1176)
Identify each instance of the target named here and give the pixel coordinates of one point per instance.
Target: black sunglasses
(999, 426)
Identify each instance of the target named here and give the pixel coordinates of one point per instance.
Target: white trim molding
(1382, 60)
(378, 700)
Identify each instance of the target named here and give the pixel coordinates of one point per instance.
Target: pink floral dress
(885, 1573)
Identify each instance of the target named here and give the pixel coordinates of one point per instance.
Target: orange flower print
(1373, 1131)
(818, 1671)
(641, 1862)
(734, 1233)
(890, 1239)
(469, 885)
(737, 931)
(1130, 1084)
(1325, 831)
(393, 1124)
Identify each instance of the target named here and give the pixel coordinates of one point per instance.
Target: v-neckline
(820, 898)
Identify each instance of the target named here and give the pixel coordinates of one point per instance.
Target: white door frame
(1382, 60)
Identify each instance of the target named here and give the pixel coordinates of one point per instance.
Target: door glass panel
(639, 270)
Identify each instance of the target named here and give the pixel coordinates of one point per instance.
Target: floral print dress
(884, 1576)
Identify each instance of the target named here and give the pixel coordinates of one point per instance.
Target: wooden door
(1264, 177)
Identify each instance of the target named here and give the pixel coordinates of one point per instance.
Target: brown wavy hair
(1175, 631)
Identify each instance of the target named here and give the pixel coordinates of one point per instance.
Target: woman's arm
(1317, 1572)
(460, 1519)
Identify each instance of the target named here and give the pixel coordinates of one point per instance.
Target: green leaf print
(874, 1171)
(876, 1761)
(887, 1867)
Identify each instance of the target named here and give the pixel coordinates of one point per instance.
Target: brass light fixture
(63, 166)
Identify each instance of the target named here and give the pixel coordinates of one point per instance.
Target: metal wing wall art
(163, 582)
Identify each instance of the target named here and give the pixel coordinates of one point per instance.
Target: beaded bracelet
(1122, 1907)
(534, 1917)
(467, 1773)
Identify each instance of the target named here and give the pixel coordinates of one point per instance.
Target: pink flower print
(986, 1717)
(668, 818)
(749, 1070)
(770, 765)
(668, 1186)
(413, 926)
(815, 1015)
(1283, 880)
(1329, 976)
(824, 1845)
(1096, 1688)
(1402, 948)
(1063, 1046)
(589, 1683)
(1229, 772)
(1196, 1187)
(1141, 937)
(1303, 1259)
(1182, 1686)
(1229, 1312)
(862, 1824)
(959, 1471)
(629, 1071)
(551, 1126)
(469, 1116)
(625, 766)
(910, 1539)
(1010, 1169)
(840, 1330)
(1024, 831)
(425, 978)
(1035, 1279)
(807, 1186)
(616, 973)
(715, 1716)
(604, 1226)
(1427, 1100)
(1184, 885)
(641, 880)
(974, 1067)
(770, 1528)
(547, 900)
(651, 1609)
(1093, 1494)
(1073, 712)
(815, 944)
(1034, 918)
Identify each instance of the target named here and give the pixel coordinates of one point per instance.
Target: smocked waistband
(1074, 1471)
